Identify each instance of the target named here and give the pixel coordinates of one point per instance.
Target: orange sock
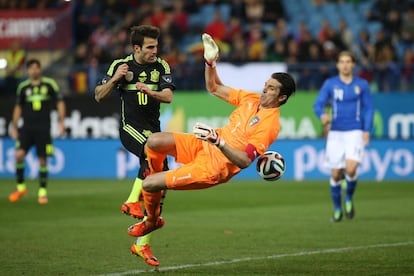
(155, 160)
(152, 204)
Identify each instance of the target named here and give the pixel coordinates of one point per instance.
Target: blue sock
(336, 196)
(350, 188)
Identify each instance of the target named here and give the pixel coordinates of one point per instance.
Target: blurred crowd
(237, 26)
(246, 31)
(32, 4)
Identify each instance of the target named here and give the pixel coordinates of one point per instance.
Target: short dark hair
(288, 84)
(139, 32)
(346, 53)
(32, 61)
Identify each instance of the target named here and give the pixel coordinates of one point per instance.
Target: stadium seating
(353, 15)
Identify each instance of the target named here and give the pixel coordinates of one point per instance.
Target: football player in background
(34, 101)
(213, 156)
(144, 81)
(349, 125)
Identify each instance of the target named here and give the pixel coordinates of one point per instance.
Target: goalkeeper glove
(211, 50)
(207, 133)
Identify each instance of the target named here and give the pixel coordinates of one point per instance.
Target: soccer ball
(271, 165)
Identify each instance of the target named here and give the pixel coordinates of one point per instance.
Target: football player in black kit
(36, 96)
(143, 81)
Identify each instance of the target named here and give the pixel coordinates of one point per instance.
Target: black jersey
(37, 101)
(138, 109)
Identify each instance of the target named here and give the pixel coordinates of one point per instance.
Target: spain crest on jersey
(142, 77)
(43, 90)
(357, 89)
(155, 75)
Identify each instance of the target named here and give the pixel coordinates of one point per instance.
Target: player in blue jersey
(349, 126)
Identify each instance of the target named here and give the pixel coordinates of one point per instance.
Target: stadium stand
(305, 34)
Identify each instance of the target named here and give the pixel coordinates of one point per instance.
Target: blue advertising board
(394, 116)
(106, 158)
(73, 158)
(383, 160)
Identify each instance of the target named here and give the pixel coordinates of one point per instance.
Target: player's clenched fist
(207, 133)
(143, 88)
(120, 72)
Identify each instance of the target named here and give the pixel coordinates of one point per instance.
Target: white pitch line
(276, 256)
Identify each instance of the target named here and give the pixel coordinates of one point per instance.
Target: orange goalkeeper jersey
(247, 125)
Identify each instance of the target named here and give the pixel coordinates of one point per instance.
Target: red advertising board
(40, 29)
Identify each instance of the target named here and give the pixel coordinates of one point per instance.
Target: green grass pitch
(239, 228)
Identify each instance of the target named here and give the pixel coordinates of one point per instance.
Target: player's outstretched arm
(238, 157)
(213, 83)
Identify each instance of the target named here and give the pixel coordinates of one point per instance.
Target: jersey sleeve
(236, 96)
(367, 107)
(166, 79)
(112, 68)
(321, 100)
(54, 89)
(20, 97)
(110, 72)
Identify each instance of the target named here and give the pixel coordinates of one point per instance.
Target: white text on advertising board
(402, 122)
(27, 27)
(400, 161)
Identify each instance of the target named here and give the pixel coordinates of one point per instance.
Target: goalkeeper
(213, 156)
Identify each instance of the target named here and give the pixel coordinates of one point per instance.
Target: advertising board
(106, 158)
(39, 29)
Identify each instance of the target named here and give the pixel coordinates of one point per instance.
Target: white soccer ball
(271, 165)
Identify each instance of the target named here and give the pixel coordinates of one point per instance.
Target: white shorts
(343, 145)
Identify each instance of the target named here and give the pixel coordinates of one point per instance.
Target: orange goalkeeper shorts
(204, 165)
